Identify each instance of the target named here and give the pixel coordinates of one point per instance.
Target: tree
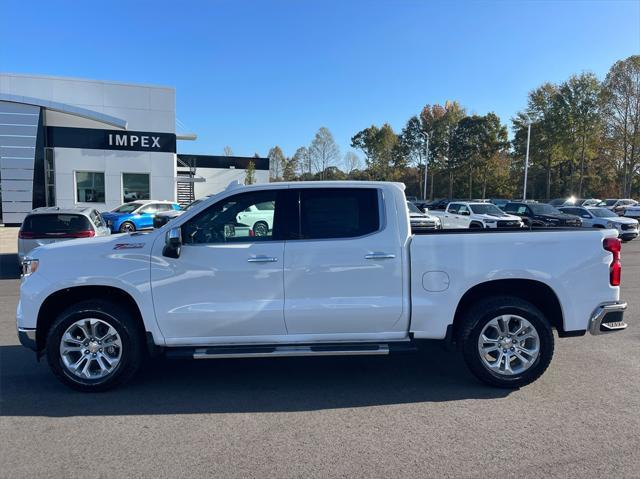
(578, 102)
(413, 142)
(228, 151)
(621, 115)
(323, 151)
(276, 161)
(250, 174)
(303, 161)
(351, 162)
(381, 150)
(290, 168)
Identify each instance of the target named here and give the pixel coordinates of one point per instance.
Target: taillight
(614, 245)
(71, 234)
(251, 233)
(81, 234)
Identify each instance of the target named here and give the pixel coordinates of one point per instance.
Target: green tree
(381, 149)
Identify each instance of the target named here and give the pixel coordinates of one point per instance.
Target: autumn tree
(323, 151)
(621, 117)
(276, 161)
(250, 174)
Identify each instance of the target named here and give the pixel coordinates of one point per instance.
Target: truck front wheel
(506, 341)
(94, 345)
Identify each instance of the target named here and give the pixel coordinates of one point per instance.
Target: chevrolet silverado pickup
(337, 272)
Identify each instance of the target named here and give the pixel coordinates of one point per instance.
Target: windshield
(603, 213)
(413, 208)
(607, 203)
(543, 209)
(487, 209)
(127, 208)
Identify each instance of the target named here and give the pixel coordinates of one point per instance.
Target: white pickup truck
(339, 273)
(470, 214)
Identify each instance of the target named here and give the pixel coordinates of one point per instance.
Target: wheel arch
(58, 301)
(536, 292)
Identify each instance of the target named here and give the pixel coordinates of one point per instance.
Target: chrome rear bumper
(608, 318)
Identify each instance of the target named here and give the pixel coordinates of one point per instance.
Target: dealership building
(72, 142)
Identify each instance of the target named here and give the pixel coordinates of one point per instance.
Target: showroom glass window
(89, 187)
(135, 186)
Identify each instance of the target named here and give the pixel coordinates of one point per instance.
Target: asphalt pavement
(414, 415)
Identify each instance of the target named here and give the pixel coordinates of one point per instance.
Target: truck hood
(621, 220)
(87, 249)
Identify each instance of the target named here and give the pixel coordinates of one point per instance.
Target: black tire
(475, 226)
(261, 228)
(477, 316)
(128, 329)
(127, 227)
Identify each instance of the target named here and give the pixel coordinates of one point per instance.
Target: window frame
(294, 202)
(279, 219)
(122, 173)
(75, 184)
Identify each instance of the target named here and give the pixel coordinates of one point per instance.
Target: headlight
(109, 223)
(610, 225)
(489, 222)
(29, 266)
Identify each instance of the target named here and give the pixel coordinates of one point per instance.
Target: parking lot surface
(414, 415)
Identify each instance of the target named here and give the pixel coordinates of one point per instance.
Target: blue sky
(255, 74)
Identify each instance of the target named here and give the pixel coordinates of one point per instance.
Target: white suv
(478, 215)
(258, 217)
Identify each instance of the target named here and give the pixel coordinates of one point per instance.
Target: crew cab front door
(227, 283)
(343, 264)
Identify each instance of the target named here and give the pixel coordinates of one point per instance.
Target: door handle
(380, 256)
(262, 259)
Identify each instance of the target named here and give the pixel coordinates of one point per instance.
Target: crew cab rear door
(343, 263)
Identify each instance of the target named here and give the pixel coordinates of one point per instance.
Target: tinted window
(128, 208)
(55, 223)
(149, 209)
(96, 218)
(135, 186)
(543, 209)
(511, 207)
(338, 212)
(463, 210)
(573, 211)
(453, 208)
(227, 221)
(89, 187)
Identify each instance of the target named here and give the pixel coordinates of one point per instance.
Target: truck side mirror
(173, 243)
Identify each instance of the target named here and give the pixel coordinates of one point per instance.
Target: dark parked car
(541, 214)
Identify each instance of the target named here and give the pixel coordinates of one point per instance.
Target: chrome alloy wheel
(90, 348)
(508, 345)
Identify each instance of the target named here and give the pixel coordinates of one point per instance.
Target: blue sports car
(137, 215)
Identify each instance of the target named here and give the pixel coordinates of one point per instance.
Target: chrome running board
(290, 351)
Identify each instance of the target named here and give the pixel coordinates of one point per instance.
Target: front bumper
(27, 338)
(608, 318)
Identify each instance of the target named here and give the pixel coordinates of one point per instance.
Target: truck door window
(338, 212)
(453, 208)
(233, 220)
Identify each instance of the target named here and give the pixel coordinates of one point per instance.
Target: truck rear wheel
(507, 342)
(94, 345)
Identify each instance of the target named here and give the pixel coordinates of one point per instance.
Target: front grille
(508, 224)
(628, 227)
(426, 225)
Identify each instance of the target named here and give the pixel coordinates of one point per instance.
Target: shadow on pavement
(164, 386)
(9, 266)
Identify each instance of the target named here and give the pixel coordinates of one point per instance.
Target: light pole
(426, 167)
(526, 161)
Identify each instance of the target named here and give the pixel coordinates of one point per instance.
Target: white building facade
(73, 142)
